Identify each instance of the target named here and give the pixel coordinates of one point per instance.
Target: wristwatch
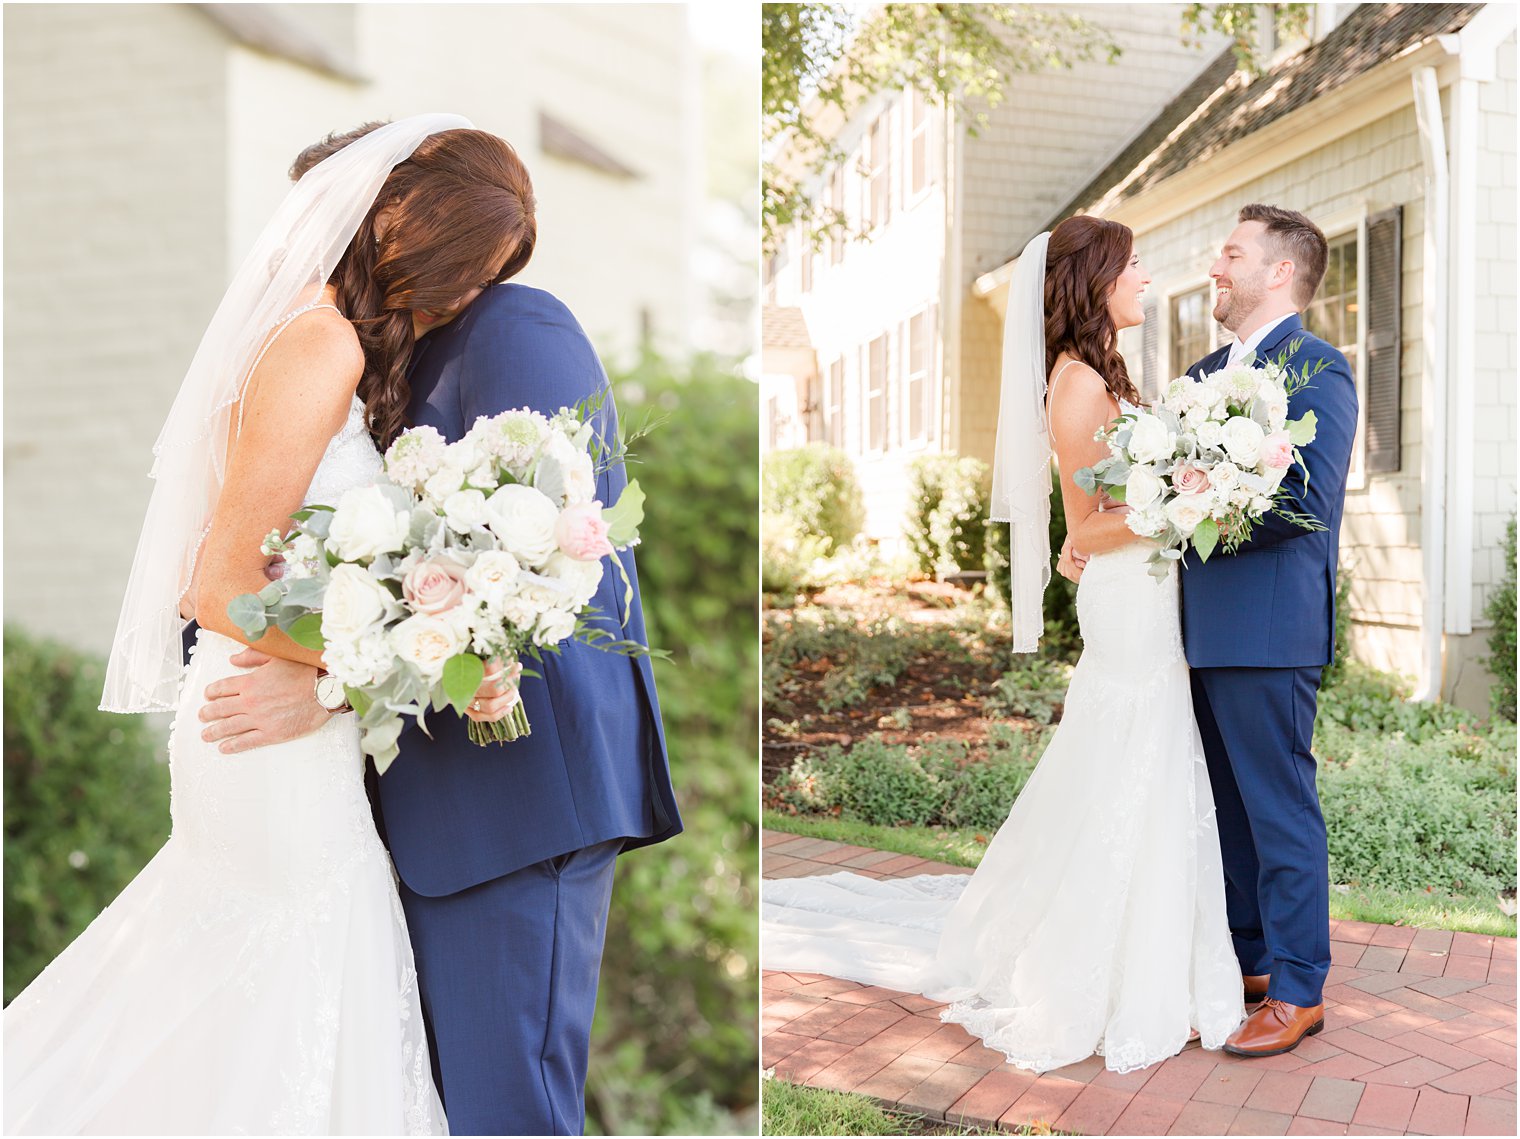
(330, 694)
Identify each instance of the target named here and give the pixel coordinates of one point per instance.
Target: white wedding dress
(256, 977)
(1096, 920)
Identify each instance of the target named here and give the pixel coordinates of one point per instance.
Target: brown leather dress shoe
(1275, 1028)
(1256, 988)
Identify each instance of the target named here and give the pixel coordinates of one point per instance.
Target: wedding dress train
(1096, 920)
(256, 976)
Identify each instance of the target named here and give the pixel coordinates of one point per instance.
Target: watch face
(329, 692)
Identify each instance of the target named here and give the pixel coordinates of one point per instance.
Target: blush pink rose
(582, 533)
(433, 587)
(1188, 479)
(1277, 450)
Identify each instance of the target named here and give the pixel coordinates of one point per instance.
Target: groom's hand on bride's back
(274, 703)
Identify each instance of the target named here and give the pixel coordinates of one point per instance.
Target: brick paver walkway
(1419, 1039)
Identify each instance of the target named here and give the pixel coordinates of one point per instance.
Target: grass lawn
(789, 1109)
(1426, 910)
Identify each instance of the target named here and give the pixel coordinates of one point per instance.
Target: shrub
(1437, 814)
(1336, 669)
(787, 558)
(928, 784)
(1365, 700)
(1034, 687)
(946, 526)
(86, 800)
(674, 1040)
(815, 486)
(1062, 638)
(1501, 642)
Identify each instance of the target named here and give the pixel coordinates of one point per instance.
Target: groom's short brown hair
(1293, 237)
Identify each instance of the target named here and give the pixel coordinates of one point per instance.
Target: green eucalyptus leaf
(246, 611)
(624, 516)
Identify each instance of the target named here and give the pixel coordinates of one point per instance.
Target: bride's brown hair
(463, 215)
(1083, 261)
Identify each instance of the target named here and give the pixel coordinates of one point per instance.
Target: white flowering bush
(489, 548)
(1206, 463)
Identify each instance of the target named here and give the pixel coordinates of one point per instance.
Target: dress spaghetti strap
(274, 334)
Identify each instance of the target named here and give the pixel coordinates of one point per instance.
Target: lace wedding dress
(256, 977)
(1096, 920)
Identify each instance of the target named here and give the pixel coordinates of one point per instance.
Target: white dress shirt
(1240, 348)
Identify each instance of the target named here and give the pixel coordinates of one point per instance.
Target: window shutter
(1150, 353)
(1385, 243)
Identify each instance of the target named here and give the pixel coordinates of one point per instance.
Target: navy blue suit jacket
(1271, 604)
(594, 768)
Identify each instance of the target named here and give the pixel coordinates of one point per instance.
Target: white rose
(1186, 511)
(427, 642)
(564, 472)
(1224, 475)
(1242, 439)
(1142, 488)
(446, 480)
(465, 510)
(1260, 505)
(523, 520)
(553, 627)
(1240, 496)
(1209, 433)
(1196, 416)
(354, 603)
(580, 578)
(1149, 440)
(366, 524)
(493, 576)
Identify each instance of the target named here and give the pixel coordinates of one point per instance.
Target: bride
(256, 977)
(1096, 920)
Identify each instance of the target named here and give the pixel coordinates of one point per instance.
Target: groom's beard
(1233, 307)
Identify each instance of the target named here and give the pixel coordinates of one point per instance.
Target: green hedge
(86, 800)
(946, 524)
(674, 1042)
(1415, 796)
(1501, 642)
(816, 487)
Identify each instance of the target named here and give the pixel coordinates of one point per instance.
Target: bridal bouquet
(1207, 462)
(487, 548)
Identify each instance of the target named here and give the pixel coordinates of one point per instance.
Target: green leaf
(1086, 479)
(1301, 431)
(307, 632)
(246, 611)
(623, 518)
(358, 700)
(1205, 538)
(462, 676)
(272, 593)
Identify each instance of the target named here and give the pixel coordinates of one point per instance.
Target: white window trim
(1336, 226)
(1164, 314)
(866, 424)
(912, 197)
(919, 442)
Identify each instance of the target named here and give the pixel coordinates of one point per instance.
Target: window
(1332, 316)
(917, 383)
(836, 216)
(918, 141)
(805, 258)
(811, 412)
(833, 395)
(876, 395)
(1191, 326)
(1335, 316)
(878, 174)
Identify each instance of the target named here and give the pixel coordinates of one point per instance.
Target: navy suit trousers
(1271, 832)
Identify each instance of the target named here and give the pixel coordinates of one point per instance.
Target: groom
(506, 852)
(1258, 628)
